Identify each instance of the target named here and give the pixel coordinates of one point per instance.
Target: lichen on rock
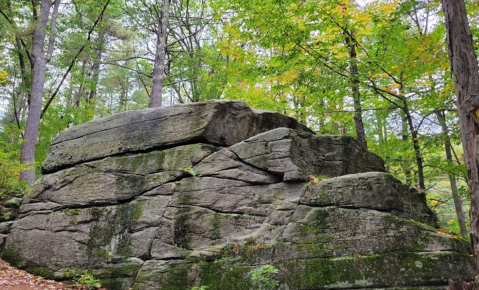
(200, 194)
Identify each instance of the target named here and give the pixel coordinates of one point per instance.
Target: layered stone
(178, 212)
(217, 123)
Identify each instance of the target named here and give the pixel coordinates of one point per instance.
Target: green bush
(262, 277)
(10, 167)
(89, 280)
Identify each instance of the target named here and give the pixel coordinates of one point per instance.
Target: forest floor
(12, 278)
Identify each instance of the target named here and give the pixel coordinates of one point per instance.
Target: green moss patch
(42, 272)
(112, 228)
(13, 256)
(395, 269)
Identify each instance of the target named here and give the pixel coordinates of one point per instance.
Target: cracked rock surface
(200, 194)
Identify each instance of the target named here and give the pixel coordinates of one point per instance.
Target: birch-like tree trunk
(40, 60)
(160, 56)
(466, 79)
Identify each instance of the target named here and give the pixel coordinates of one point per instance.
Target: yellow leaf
(3, 77)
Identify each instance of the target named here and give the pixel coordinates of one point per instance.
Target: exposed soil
(12, 278)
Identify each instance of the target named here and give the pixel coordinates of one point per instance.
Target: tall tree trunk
(40, 58)
(405, 137)
(415, 140)
(81, 91)
(158, 69)
(354, 80)
(124, 96)
(96, 68)
(466, 79)
(380, 128)
(461, 217)
(417, 149)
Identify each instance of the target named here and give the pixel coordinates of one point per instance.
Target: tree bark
(415, 140)
(96, 67)
(40, 59)
(354, 80)
(461, 285)
(159, 67)
(405, 162)
(464, 67)
(461, 217)
(417, 149)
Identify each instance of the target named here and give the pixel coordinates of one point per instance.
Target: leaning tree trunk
(466, 79)
(461, 217)
(417, 148)
(159, 68)
(40, 58)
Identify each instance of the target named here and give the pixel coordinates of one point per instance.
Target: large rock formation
(200, 194)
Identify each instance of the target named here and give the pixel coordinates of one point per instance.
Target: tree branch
(74, 60)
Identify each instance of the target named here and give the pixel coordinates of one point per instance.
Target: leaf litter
(12, 278)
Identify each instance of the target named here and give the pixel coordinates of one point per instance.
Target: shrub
(262, 277)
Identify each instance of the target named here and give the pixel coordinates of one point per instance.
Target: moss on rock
(110, 234)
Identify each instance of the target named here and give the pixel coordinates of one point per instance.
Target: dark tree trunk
(461, 285)
(417, 149)
(81, 91)
(405, 161)
(96, 67)
(415, 140)
(466, 79)
(159, 67)
(354, 80)
(461, 217)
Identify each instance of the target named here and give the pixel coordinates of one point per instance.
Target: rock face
(200, 194)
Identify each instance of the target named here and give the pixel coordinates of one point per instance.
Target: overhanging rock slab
(217, 123)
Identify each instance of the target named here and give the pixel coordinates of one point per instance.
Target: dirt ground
(12, 278)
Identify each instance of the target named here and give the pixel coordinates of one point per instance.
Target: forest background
(377, 70)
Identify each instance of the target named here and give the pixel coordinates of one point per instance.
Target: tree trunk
(405, 137)
(417, 149)
(461, 285)
(40, 59)
(461, 217)
(415, 140)
(354, 80)
(466, 79)
(158, 69)
(96, 68)
(81, 91)
(380, 129)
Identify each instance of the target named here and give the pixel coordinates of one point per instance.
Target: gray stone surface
(371, 190)
(205, 211)
(218, 123)
(295, 155)
(113, 179)
(5, 227)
